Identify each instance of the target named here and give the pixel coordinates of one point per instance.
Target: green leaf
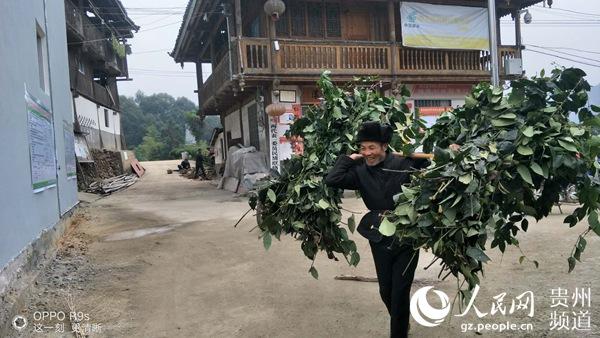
(450, 214)
(595, 109)
(314, 272)
(387, 228)
(525, 150)
(271, 195)
(477, 254)
(470, 102)
(267, 240)
(537, 265)
(466, 179)
(528, 131)
(297, 189)
(594, 222)
(509, 116)
(502, 122)
(521, 259)
(354, 258)
(572, 263)
(323, 204)
(472, 232)
(576, 131)
(298, 225)
(351, 223)
(568, 146)
(525, 174)
(537, 169)
(337, 113)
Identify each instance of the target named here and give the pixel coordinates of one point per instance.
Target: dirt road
(162, 259)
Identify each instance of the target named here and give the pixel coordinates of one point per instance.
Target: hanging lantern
(275, 109)
(274, 8)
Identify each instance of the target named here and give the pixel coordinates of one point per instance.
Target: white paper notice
(41, 145)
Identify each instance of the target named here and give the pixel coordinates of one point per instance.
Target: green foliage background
(154, 125)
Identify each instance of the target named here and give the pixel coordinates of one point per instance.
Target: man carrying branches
(379, 175)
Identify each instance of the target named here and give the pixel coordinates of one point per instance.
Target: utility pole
(494, 43)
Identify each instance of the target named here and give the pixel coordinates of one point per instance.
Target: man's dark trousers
(395, 266)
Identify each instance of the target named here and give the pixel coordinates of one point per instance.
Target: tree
(202, 129)
(151, 148)
(166, 116)
(133, 120)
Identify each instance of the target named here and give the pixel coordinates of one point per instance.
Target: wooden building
(257, 60)
(97, 33)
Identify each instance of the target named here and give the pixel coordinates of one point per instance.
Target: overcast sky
(562, 31)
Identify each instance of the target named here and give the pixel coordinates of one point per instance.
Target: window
(315, 19)
(433, 103)
(310, 19)
(334, 26)
(42, 56)
(298, 17)
(106, 116)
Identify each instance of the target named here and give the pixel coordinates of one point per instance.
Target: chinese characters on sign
(570, 312)
(274, 144)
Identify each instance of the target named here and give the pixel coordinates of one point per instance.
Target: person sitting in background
(185, 165)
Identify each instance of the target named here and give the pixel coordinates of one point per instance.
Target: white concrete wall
(24, 214)
(232, 124)
(92, 118)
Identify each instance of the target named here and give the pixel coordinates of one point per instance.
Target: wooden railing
(219, 77)
(256, 55)
(302, 57)
(308, 57)
(80, 82)
(468, 62)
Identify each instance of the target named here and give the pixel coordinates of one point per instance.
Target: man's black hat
(375, 132)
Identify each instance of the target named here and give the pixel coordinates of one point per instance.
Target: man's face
(373, 152)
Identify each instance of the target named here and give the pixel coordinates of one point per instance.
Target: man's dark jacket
(377, 185)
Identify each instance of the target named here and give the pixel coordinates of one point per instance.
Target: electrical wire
(560, 57)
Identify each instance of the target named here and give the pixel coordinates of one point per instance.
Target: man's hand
(356, 156)
(454, 147)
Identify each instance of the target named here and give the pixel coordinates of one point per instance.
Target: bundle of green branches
(297, 202)
(519, 150)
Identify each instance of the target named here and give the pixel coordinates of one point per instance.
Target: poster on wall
(281, 147)
(70, 160)
(445, 27)
(41, 145)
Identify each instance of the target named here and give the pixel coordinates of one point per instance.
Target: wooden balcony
(296, 57)
(217, 84)
(74, 19)
(304, 61)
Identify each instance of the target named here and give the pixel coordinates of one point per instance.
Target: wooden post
(518, 39)
(238, 18)
(272, 38)
(392, 25)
